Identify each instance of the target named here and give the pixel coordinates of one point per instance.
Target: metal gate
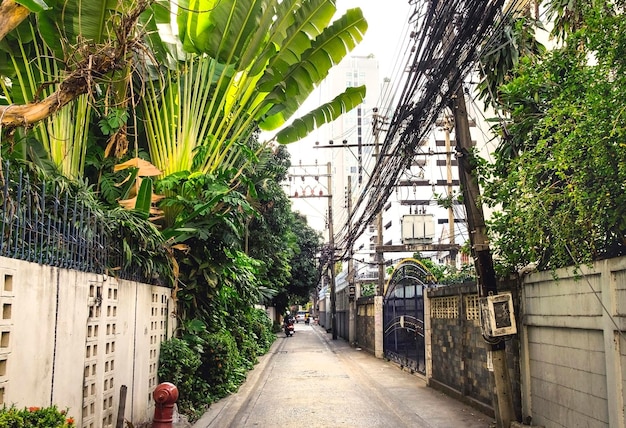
(403, 315)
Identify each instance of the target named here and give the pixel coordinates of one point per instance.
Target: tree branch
(11, 15)
(80, 81)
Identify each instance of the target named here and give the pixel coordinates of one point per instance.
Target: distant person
(288, 319)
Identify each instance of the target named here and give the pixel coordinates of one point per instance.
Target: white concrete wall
(73, 339)
(573, 349)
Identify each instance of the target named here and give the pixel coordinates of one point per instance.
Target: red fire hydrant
(165, 396)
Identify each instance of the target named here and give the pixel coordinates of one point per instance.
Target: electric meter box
(418, 229)
(497, 316)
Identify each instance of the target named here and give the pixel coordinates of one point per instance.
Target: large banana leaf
(327, 51)
(72, 22)
(302, 27)
(259, 60)
(33, 5)
(326, 113)
(224, 30)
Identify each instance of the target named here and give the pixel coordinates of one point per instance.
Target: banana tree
(248, 63)
(30, 64)
(55, 65)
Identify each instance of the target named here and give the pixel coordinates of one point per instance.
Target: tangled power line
(445, 45)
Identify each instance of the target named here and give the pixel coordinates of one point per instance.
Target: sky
(387, 25)
(388, 29)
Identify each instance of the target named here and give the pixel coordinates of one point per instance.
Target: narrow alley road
(310, 380)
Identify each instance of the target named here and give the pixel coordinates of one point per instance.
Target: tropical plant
(30, 64)
(304, 265)
(248, 63)
(178, 364)
(503, 50)
(560, 193)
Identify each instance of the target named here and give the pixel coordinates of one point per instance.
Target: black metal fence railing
(46, 224)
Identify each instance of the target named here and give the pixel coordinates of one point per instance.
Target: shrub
(179, 364)
(206, 366)
(35, 417)
(220, 364)
(263, 329)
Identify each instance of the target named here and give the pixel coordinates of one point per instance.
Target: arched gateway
(403, 314)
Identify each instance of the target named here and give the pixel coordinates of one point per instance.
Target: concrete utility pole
(351, 273)
(451, 231)
(331, 264)
(379, 216)
(503, 399)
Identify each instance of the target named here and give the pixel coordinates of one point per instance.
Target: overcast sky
(387, 30)
(387, 26)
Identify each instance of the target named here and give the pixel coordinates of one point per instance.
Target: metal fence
(43, 222)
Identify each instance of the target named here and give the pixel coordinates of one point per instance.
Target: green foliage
(305, 274)
(206, 366)
(559, 173)
(142, 245)
(178, 364)
(368, 289)
(33, 5)
(246, 63)
(445, 275)
(35, 417)
(112, 122)
(221, 364)
(502, 53)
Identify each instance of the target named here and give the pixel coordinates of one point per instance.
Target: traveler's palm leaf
(259, 60)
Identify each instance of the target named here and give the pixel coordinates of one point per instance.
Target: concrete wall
(343, 314)
(573, 346)
(365, 323)
(73, 339)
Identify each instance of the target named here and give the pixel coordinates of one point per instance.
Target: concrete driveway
(309, 380)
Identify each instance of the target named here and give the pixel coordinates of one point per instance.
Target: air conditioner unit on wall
(497, 316)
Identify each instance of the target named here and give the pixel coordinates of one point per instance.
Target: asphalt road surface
(309, 380)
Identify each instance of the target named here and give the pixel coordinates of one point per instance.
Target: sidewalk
(311, 380)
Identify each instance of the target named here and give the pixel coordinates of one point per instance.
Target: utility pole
(379, 216)
(352, 292)
(503, 399)
(451, 231)
(331, 264)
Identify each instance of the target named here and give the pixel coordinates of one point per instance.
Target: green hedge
(206, 366)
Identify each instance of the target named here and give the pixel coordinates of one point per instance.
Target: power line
(445, 44)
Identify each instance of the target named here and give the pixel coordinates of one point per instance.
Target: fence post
(165, 396)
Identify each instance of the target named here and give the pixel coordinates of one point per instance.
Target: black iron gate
(403, 315)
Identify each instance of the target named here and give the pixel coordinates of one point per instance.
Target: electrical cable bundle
(446, 43)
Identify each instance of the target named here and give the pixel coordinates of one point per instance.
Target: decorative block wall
(73, 339)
